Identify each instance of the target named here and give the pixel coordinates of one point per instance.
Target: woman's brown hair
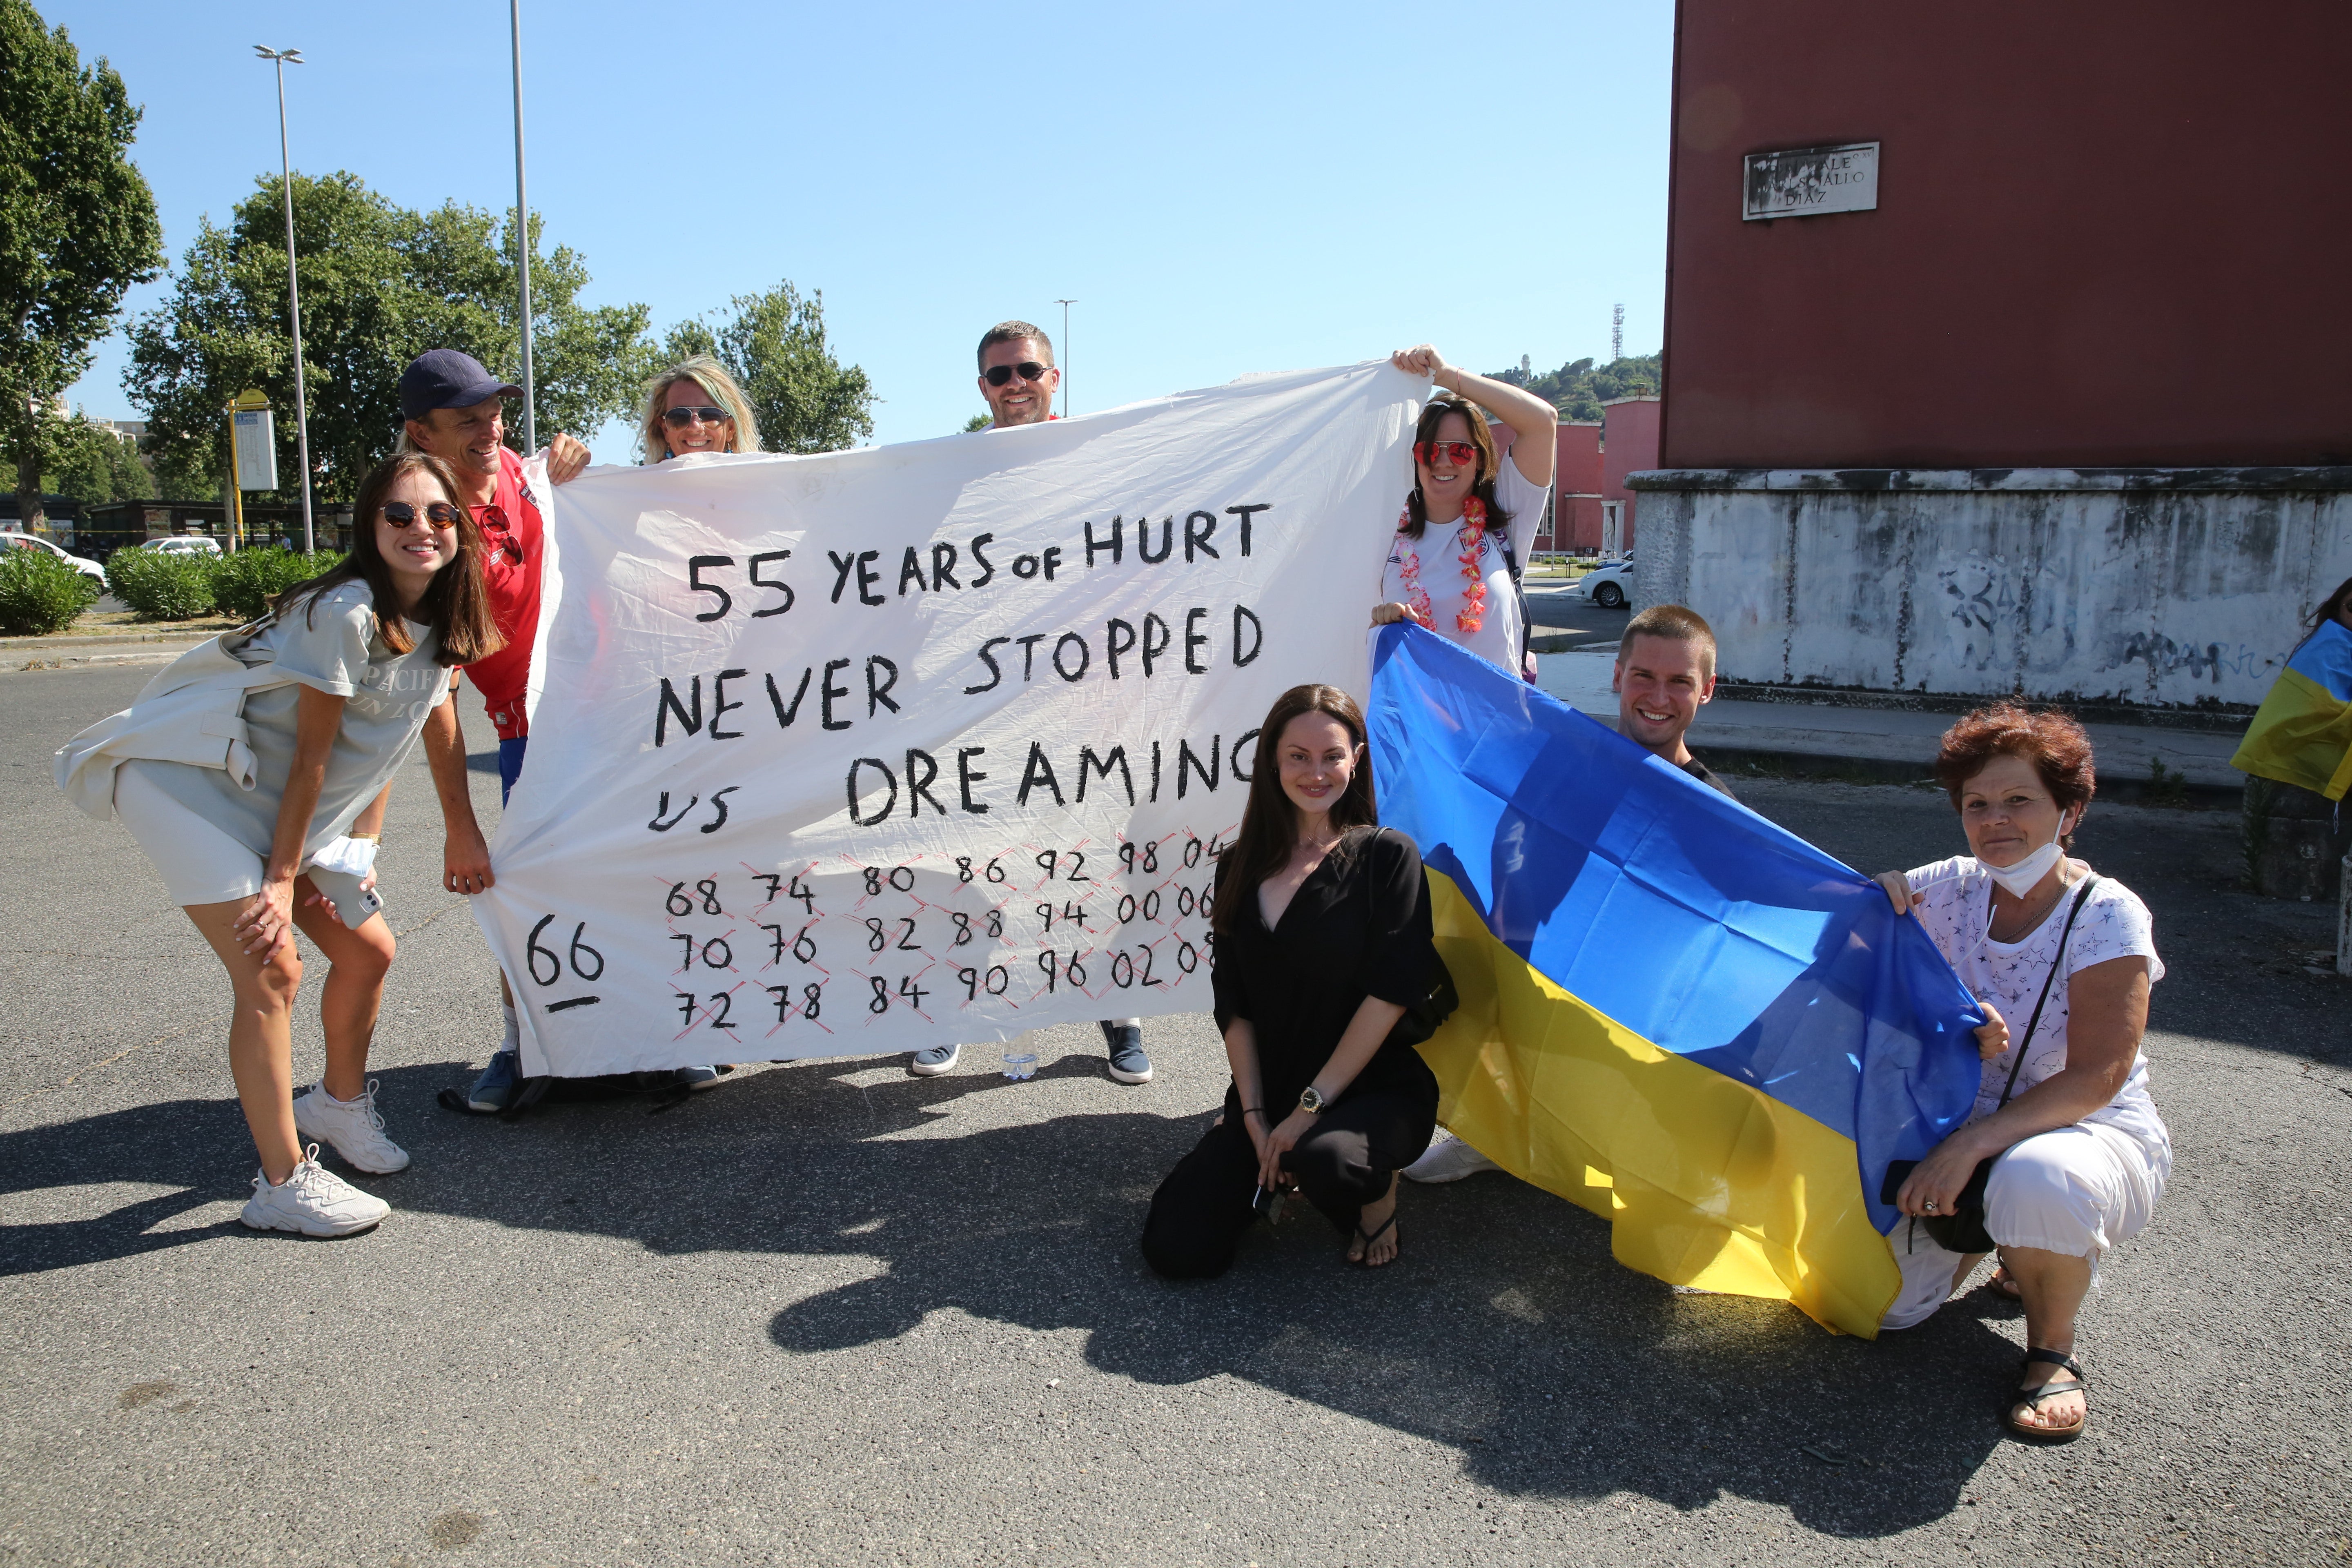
(1417, 508)
(1269, 821)
(2058, 748)
(2333, 606)
(455, 604)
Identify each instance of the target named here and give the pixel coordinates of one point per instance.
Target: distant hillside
(1578, 389)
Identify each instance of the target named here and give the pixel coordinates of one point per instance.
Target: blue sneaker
(701, 1077)
(933, 1062)
(1128, 1062)
(494, 1090)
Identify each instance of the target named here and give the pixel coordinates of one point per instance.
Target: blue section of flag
(1679, 913)
(2325, 660)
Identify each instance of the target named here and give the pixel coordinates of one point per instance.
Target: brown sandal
(2031, 1399)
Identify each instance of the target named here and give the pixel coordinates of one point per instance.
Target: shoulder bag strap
(1518, 590)
(2082, 896)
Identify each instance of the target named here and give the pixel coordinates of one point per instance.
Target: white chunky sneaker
(1448, 1161)
(313, 1201)
(350, 1128)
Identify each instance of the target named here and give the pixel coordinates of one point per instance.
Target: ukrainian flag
(2301, 734)
(1674, 1013)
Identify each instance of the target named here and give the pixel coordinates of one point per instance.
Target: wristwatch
(1311, 1100)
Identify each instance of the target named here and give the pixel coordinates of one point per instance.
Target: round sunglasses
(679, 418)
(400, 514)
(1028, 369)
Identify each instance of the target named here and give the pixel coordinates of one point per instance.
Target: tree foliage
(380, 284)
(77, 228)
(94, 465)
(774, 344)
(1579, 387)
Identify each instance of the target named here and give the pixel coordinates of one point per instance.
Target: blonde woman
(696, 406)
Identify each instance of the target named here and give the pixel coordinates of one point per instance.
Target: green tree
(93, 465)
(1578, 388)
(380, 284)
(77, 228)
(774, 344)
(978, 422)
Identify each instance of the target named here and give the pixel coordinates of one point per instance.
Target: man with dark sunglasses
(456, 411)
(1018, 378)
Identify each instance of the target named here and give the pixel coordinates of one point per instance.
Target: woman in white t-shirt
(1471, 517)
(339, 678)
(2079, 1154)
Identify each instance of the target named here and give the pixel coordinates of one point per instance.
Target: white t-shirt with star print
(1955, 909)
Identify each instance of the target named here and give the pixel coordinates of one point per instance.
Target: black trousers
(1344, 1163)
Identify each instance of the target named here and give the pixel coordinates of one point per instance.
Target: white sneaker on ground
(312, 1201)
(350, 1128)
(1448, 1160)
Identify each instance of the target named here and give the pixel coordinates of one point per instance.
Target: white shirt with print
(1440, 548)
(1955, 909)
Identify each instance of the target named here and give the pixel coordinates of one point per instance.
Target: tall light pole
(522, 244)
(1066, 305)
(282, 59)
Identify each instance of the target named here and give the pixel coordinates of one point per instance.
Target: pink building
(1575, 522)
(1629, 445)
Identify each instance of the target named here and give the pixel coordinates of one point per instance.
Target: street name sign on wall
(1807, 182)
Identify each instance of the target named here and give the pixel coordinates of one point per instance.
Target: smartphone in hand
(355, 904)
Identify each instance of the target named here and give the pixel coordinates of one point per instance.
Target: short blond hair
(717, 384)
(1676, 623)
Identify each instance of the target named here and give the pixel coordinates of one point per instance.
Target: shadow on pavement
(1504, 1331)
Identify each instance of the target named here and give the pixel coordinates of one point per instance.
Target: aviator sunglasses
(400, 514)
(1461, 453)
(1029, 369)
(679, 418)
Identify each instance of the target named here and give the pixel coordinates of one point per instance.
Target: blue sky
(1223, 188)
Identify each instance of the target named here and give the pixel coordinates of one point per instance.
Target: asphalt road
(1554, 612)
(832, 1314)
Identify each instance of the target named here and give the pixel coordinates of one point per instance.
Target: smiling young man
(1018, 378)
(456, 410)
(1665, 673)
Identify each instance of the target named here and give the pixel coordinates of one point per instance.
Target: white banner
(923, 743)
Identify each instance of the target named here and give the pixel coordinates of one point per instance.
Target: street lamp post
(282, 59)
(1066, 305)
(522, 244)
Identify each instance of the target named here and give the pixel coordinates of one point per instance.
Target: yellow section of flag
(1706, 1181)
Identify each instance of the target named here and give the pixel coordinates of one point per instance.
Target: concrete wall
(2107, 232)
(2162, 587)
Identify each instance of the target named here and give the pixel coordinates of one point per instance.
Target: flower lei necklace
(1472, 539)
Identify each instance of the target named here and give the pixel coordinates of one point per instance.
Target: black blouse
(1359, 926)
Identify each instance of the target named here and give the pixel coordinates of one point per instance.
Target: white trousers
(2077, 1190)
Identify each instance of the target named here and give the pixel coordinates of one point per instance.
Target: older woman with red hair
(2065, 1154)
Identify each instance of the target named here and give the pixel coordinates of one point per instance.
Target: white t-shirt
(1439, 551)
(1955, 909)
(336, 650)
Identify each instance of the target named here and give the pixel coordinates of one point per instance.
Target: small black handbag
(1963, 1229)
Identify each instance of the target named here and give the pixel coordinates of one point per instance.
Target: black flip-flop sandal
(1363, 1260)
(2031, 1399)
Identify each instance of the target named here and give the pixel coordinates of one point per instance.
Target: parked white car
(90, 569)
(186, 544)
(1609, 586)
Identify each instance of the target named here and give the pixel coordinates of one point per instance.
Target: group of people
(255, 777)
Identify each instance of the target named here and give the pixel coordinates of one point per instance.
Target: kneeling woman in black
(1326, 979)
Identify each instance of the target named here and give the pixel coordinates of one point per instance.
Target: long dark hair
(2333, 605)
(456, 602)
(1269, 821)
(1417, 508)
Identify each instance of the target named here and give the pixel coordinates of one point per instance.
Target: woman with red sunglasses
(1454, 563)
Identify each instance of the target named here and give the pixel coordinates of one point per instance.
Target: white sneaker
(313, 1201)
(350, 1128)
(1448, 1161)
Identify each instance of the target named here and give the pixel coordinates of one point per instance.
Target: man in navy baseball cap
(447, 378)
(456, 411)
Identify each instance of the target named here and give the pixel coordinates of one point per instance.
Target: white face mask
(2025, 876)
